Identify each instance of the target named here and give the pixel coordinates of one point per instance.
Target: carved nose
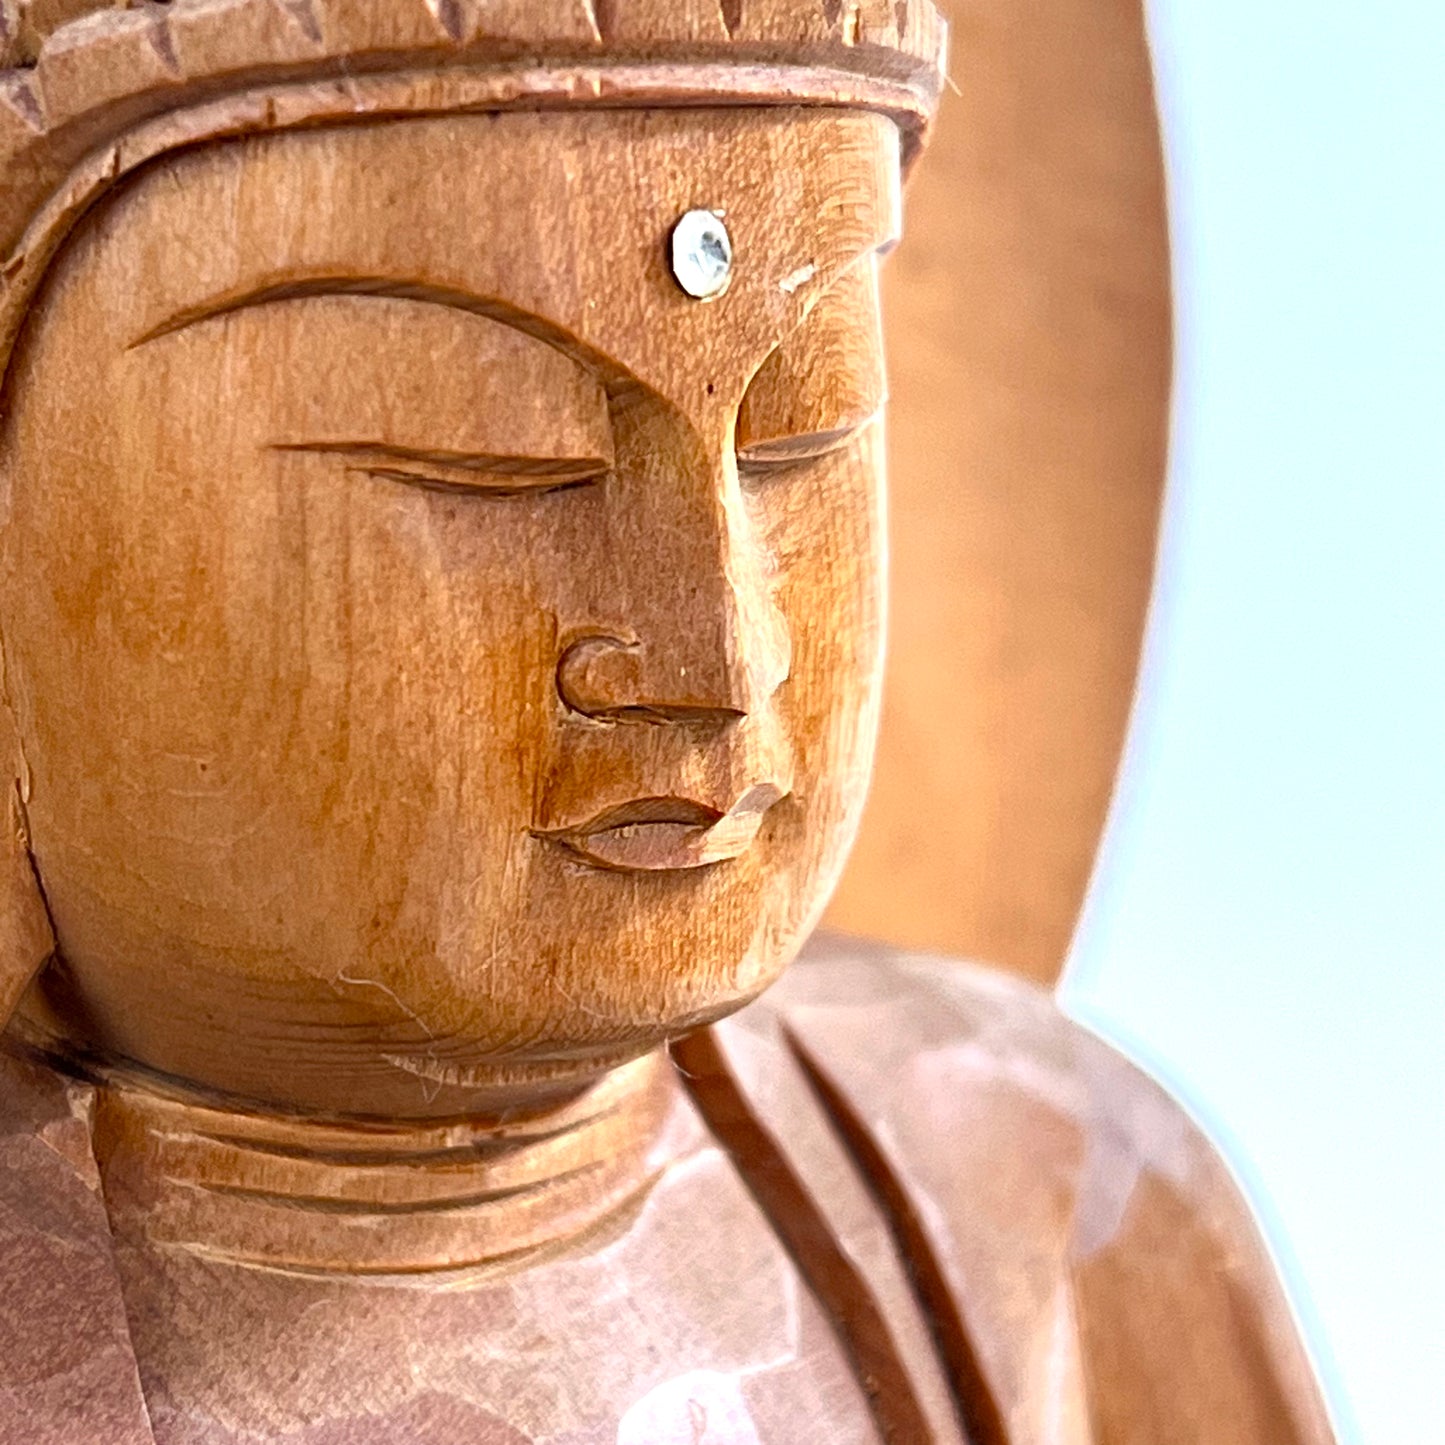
(601, 676)
(622, 679)
(687, 626)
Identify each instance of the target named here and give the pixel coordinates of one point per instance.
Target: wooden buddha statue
(441, 561)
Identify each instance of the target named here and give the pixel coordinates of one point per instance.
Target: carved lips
(660, 834)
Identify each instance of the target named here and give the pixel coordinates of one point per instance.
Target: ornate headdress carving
(96, 89)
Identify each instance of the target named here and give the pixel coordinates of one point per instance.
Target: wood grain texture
(806, 1233)
(67, 1364)
(1028, 342)
(1102, 1264)
(295, 1193)
(84, 76)
(629, 1332)
(1107, 1273)
(382, 725)
(441, 665)
(973, 1393)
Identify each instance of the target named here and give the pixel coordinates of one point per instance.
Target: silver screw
(702, 254)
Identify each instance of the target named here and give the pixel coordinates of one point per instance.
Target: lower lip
(664, 847)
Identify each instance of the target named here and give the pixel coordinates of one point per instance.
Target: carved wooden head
(443, 651)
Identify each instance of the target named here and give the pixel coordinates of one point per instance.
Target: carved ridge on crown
(26, 26)
(82, 39)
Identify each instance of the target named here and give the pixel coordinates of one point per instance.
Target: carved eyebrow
(614, 379)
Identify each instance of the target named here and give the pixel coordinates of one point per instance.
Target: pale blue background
(1267, 923)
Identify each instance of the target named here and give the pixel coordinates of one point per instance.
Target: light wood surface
(804, 1260)
(1028, 342)
(441, 666)
(486, 639)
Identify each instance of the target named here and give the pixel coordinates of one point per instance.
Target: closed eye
(763, 460)
(492, 473)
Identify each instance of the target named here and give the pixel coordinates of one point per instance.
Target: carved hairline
(115, 90)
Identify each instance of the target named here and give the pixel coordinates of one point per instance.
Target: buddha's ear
(26, 940)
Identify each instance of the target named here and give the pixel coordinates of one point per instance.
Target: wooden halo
(1027, 318)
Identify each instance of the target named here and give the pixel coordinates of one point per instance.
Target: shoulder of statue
(1081, 1231)
(978, 1051)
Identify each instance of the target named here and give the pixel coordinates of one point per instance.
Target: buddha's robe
(897, 1198)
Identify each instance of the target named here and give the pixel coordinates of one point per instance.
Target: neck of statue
(293, 1193)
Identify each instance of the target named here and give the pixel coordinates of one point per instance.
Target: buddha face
(443, 651)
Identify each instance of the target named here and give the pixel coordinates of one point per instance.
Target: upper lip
(664, 832)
